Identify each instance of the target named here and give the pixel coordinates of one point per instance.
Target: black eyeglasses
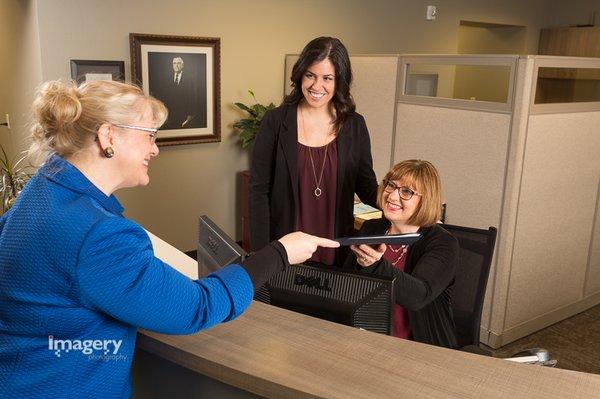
(150, 130)
(404, 192)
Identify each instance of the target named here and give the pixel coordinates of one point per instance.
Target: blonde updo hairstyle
(66, 118)
(422, 177)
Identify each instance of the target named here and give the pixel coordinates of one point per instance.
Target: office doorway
(487, 38)
(477, 82)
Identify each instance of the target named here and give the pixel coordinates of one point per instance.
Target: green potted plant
(248, 127)
(13, 179)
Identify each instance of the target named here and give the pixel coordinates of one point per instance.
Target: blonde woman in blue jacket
(75, 274)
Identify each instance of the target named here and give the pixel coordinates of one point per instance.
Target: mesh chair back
(468, 292)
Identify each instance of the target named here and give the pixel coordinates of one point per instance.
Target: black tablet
(394, 239)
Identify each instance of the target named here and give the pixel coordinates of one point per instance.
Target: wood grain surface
(281, 354)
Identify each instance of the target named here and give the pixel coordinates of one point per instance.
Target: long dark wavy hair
(318, 50)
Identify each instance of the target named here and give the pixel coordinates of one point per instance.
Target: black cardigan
(424, 288)
(273, 192)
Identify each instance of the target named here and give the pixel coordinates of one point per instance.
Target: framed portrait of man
(182, 72)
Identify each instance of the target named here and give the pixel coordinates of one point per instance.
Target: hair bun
(56, 107)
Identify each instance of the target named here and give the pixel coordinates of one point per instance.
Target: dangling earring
(108, 152)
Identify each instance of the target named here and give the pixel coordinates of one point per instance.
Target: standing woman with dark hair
(312, 154)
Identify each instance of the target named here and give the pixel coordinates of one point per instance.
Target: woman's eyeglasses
(150, 130)
(404, 192)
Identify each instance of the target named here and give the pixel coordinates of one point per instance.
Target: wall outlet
(8, 121)
(431, 13)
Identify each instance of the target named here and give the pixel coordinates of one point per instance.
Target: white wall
(20, 70)
(10, 19)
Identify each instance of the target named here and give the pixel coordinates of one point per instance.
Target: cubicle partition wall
(466, 139)
(554, 268)
(465, 131)
(519, 150)
(516, 140)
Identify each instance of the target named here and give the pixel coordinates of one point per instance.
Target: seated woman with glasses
(410, 198)
(77, 278)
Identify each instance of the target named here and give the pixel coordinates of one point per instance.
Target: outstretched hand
(300, 246)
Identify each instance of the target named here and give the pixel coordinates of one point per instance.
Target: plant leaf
(249, 127)
(243, 123)
(246, 108)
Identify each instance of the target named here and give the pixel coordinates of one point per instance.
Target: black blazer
(273, 193)
(424, 288)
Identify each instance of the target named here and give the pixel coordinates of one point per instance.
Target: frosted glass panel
(567, 85)
(465, 82)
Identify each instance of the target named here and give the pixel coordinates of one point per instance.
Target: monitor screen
(215, 248)
(342, 297)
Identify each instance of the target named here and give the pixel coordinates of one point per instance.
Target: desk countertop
(280, 354)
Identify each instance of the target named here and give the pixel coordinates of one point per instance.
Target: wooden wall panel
(576, 42)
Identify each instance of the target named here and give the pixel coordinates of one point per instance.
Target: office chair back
(468, 292)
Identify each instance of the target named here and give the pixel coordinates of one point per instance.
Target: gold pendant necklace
(317, 190)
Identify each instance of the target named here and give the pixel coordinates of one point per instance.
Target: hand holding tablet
(393, 239)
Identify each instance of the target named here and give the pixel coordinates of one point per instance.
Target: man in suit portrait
(181, 87)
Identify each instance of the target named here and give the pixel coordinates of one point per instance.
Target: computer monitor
(215, 248)
(342, 297)
(346, 298)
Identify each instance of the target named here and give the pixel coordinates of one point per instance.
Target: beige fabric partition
(547, 246)
(593, 274)
(469, 148)
(500, 275)
(555, 221)
(472, 175)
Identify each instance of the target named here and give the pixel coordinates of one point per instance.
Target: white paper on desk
(174, 257)
(361, 208)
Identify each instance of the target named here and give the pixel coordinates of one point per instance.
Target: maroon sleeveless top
(316, 215)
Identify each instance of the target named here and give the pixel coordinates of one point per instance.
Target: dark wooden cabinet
(245, 221)
(569, 85)
(572, 41)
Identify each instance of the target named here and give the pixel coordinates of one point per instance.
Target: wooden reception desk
(276, 353)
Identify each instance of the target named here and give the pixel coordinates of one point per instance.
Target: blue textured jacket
(77, 278)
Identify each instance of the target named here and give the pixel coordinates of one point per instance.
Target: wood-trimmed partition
(503, 169)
